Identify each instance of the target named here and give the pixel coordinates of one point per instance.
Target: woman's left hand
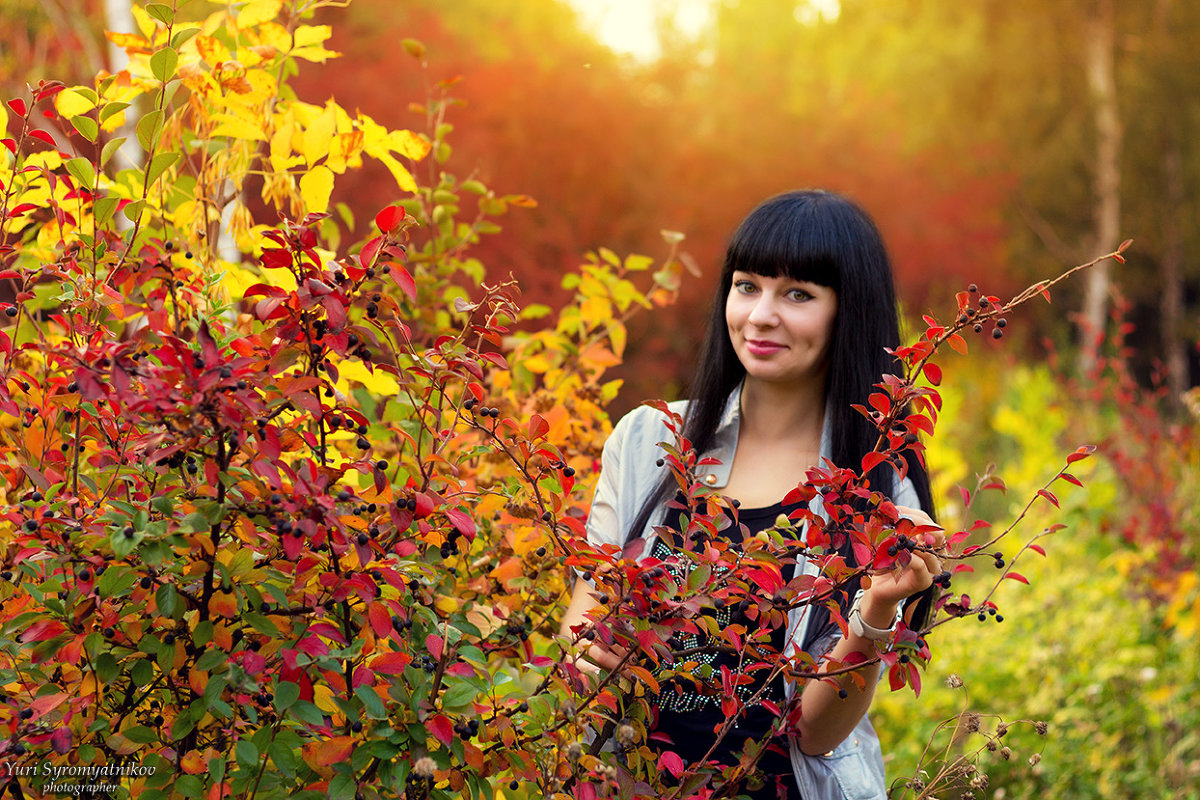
(891, 586)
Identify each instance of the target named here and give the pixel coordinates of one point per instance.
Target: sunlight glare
(630, 26)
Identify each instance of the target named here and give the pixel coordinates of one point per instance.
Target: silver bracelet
(859, 626)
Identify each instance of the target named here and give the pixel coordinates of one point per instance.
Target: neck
(783, 411)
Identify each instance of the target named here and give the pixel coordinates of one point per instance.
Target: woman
(798, 334)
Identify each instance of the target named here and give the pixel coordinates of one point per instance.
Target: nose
(764, 313)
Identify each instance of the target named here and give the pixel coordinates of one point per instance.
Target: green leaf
(182, 726)
(161, 12)
(142, 673)
(182, 36)
(109, 109)
(140, 734)
(163, 63)
(88, 128)
(261, 624)
(121, 544)
(341, 788)
(133, 210)
(158, 165)
(110, 149)
(83, 173)
(116, 581)
(148, 129)
(284, 758)
(286, 693)
(371, 702)
(246, 753)
(307, 712)
(189, 786)
(166, 600)
(194, 522)
(107, 667)
(458, 696)
(104, 208)
(211, 659)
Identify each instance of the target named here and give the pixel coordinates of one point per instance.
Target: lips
(763, 347)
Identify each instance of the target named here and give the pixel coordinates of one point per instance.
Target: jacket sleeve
(605, 519)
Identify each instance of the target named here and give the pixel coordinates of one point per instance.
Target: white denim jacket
(854, 769)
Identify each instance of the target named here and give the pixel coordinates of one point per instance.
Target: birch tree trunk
(1106, 179)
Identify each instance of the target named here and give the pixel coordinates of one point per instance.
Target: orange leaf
(328, 752)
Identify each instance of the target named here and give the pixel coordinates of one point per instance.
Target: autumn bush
(1103, 648)
(290, 511)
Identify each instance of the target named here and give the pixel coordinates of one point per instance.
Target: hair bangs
(788, 238)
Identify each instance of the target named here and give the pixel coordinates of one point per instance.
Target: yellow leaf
(281, 142)
(309, 39)
(256, 12)
(596, 311)
(345, 151)
(237, 127)
(404, 179)
(211, 49)
(315, 187)
(379, 383)
(146, 23)
(616, 335)
(317, 136)
(323, 698)
(536, 364)
(408, 144)
(71, 103)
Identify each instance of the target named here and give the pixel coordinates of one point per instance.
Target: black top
(689, 717)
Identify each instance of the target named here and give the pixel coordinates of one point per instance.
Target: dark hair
(826, 239)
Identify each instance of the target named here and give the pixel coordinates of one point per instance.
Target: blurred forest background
(995, 142)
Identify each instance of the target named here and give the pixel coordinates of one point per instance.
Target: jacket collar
(726, 438)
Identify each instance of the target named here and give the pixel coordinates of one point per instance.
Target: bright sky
(628, 26)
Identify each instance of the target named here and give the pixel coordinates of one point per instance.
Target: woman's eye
(744, 287)
(799, 295)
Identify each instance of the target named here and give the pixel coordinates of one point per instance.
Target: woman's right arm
(604, 525)
(597, 656)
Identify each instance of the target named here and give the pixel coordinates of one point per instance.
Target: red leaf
(389, 218)
(1069, 478)
(1037, 548)
(434, 644)
(404, 280)
(439, 725)
(1081, 453)
(872, 460)
(366, 256)
(934, 373)
(381, 620)
(276, 258)
(391, 663)
(43, 136)
(672, 762)
(880, 402)
(1016, 576)
(41, 631)
(462, 522)
(21, 209)
(958, 343)
(1049, 496)
(61, 740)
(18, 106)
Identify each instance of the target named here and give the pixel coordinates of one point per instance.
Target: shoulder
(904, 493)
(643, 427)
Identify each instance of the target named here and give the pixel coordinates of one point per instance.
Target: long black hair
(823, 238)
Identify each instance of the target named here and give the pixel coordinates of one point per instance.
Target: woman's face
(780, 328)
